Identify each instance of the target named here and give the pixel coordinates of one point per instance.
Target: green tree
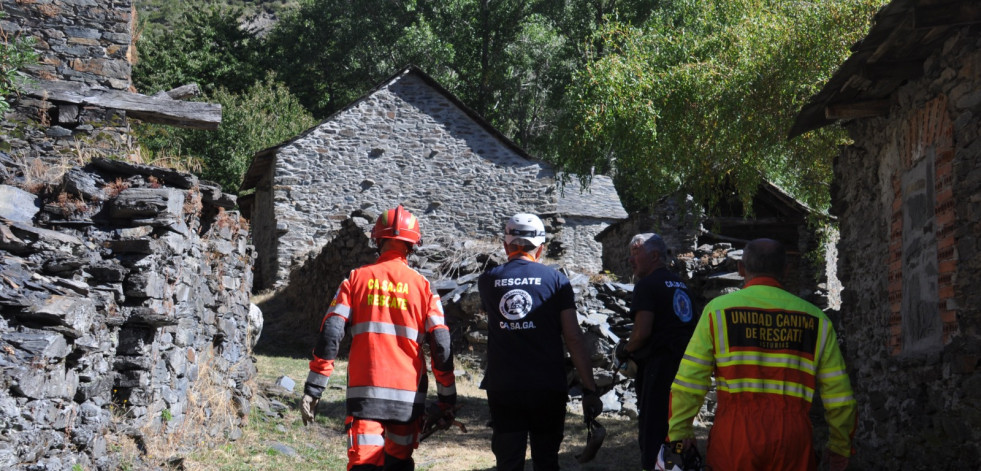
(205, 45)
(15, 53)
(705, 92)
(262, 116)
(329, 52)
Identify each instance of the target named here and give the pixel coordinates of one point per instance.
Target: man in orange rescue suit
(530, 310)
(391, 310)
(769, 351)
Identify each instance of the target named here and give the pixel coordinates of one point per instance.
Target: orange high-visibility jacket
(391, 310)
(769, 351)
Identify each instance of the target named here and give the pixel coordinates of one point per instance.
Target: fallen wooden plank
(163, 110)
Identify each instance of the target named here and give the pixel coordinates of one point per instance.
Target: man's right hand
(620, 351)
(308, 408)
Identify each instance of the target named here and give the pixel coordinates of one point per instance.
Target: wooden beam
(185, 114)
(859, 109)
(903, 70)
(950, 14)
(737, 221)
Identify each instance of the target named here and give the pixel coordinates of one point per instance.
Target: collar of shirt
(391, 255)
(763, 281)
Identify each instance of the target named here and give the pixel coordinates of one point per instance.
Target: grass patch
(280, 441)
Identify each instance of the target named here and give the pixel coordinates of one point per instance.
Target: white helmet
(526, 227)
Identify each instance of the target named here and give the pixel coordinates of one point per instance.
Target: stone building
(585, 213)
(685, 227)
(407, 141)
(907, 195)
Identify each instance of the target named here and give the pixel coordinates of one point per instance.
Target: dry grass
(323, 446)
(40, 174)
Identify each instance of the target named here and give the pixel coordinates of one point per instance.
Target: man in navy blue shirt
(530, 310)
(664, 320)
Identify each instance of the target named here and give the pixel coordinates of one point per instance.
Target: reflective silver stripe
(370, 440)
(445, 390)
(385, 328)
(317, 379)
(784, 388)
(378, 392)
(768, 360)
(720, 332)
(341, 310)
(439, 304)
(433, 321)
(697, 360)
(825, 326)
(700, 387)
(838, 400)
(831, 374)
(404, 440)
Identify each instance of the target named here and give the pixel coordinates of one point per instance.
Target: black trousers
(517, 416)
(653, 383)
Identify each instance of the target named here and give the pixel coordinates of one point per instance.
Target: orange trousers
(370, 440)
(761, 433)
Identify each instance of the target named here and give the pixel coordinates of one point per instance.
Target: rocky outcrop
(124, 316)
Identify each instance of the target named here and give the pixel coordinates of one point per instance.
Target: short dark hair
(765, 257)
(521, 245)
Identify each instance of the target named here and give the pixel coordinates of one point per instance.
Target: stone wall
(580, 251)
(124, 318)
(676, 221)
(87, 41)
(405, 143)
(907, 197)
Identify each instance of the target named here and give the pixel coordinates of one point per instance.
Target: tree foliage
(663, 95)
(205, 46)
(263, 115)
(15, 53)
(704, 93)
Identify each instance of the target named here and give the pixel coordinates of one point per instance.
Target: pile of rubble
(603, 306)
(124, 312)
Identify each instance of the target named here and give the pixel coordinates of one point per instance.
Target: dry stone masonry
(124, 315)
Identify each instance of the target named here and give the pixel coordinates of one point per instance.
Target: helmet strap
(530, 256)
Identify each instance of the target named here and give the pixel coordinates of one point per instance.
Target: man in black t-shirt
(664, 320)
(530, 310)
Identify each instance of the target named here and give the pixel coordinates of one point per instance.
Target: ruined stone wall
(674, 220)
(580, 249)
(124, 318)
(907, 197)
(409, 144)
(87, 41)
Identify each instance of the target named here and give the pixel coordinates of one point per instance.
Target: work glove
(312, 390)
(592, 406)
(308, 408)
(835, 461)
(620, 351)
(438, 416)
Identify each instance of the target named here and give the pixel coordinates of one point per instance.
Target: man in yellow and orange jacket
(391, 311)
(769, 351)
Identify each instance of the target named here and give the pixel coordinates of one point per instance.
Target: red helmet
(398, 224)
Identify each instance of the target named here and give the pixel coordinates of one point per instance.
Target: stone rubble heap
(453, 268)
(602, 305)
(124, 313)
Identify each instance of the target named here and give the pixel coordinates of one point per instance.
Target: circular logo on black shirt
(515, 304)
(682, 305)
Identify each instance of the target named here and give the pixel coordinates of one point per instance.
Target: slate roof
(903, 35)
(264, 158)
(600, 199)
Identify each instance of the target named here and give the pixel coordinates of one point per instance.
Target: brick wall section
(916, 399)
